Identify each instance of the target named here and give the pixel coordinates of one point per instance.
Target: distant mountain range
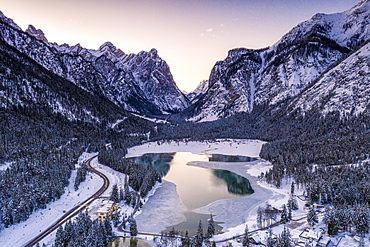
(320, 63)
(140, 82)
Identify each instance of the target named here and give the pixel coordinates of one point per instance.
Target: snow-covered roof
(105, 206)
(311, 234)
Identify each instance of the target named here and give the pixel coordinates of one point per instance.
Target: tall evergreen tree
(284, 239)
(289, 212)
(108, 227)
(260, 217)
(121, 195)
(284, 214)
(331, 222)
(133, 227)
(114, 194)
(292, 202)
(246, 241)
(69, 231)
(127, 197)
(361, 221)
(185, 240)
(198, 238)
(292, 189)
(211, 230)
(270, 241)
(59, 237)
(312, 218)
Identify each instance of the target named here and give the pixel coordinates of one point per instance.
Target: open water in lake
(198, 187)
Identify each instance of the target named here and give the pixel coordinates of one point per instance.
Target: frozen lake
(196, 187)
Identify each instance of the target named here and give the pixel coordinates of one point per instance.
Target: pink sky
(191, 35)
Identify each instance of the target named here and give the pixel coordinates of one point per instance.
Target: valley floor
(164, 203)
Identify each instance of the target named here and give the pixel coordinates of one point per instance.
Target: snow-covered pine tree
(133, 227)
(198, 238)
(292, 202)
(114, 194)
(211, 230)
(270, 241)
(108, 227)
(284, 239)
(260, 216)
(246, 241)
(312, 218)
(361, 221)
(59, 237)
(185, 241)
(284, 214)
(69, 231)
(121, 195)
(127, 197)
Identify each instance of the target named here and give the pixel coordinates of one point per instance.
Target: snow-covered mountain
(344, 88)
(267, 77)
(136, 82)
(29, 89)
(198, 92)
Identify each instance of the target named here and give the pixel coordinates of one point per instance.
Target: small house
(106, 209)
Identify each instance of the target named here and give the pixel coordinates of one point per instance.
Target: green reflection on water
(230, 158)
(235, 184)
(196, 186)
(159, 162)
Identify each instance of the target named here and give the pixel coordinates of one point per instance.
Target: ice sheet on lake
(236, 211)
(162, 210)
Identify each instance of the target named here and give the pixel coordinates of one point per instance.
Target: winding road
(77, 209)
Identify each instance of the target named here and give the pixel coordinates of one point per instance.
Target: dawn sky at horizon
(191, 35)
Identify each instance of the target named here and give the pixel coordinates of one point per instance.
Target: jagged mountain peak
(267, 77)
(141, 82)
(348, 28)
(363, 5)
(111, 50)
(153, 53)
(37, 33)
(200, 90)
(107, 45)
(8, 21)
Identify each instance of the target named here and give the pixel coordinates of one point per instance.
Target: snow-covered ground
(19, 234)
(234, 212)
(5, 166)
(164, 203)
(244, 147)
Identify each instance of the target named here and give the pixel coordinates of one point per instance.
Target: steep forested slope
(46, 122)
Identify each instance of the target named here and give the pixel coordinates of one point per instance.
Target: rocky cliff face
(345, 88)
(250, 78)
(136, 82)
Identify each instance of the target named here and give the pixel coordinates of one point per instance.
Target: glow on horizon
(190, 35)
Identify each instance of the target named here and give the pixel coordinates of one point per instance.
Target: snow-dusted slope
(345, 88)
(198, 92)
(137, 82)
(250, 78)
(27, 88)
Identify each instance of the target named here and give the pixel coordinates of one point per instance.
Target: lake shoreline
(233, 212)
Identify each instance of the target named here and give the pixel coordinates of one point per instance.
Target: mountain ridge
(136, 82)
(248, 78)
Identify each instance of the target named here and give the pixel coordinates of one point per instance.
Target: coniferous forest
(50, 114)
